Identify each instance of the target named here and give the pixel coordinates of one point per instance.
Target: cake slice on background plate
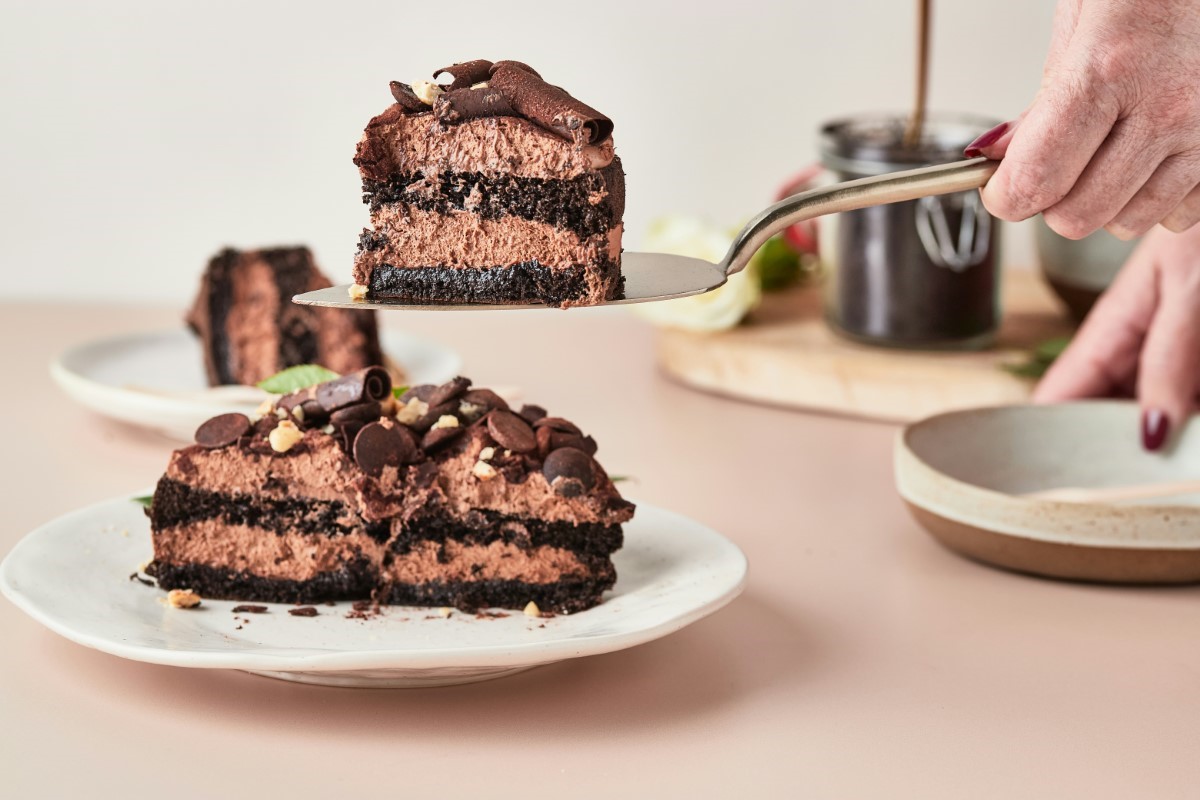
(494, 188)
(250, 329)
(341, 491)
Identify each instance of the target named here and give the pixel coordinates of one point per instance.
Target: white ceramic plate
(72, 575)
(156, 380)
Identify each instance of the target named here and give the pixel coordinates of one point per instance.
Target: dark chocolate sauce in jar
(923, 274)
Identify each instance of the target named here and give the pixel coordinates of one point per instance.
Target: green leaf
(293, 379)
(398, 390)
(778, 264)
(1040, 358)
(146, 501)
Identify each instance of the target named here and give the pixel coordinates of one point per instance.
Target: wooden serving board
(785, 354)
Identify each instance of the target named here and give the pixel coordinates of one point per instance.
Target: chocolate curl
(461, 105)
(466, 74)
(406, 97)
(372, 383)
(515, 65)
(549, 106)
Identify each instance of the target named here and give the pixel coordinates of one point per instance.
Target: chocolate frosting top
(481, 88)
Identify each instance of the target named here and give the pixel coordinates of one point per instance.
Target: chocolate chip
(377, 446)
(359, 412)
(559, 440)
(405, 97)
(306, 611)
(558, 424)
(531, 414)
(543, 436)
(439, 436)
(570, 472)
(249, 609)
(510, 431)
(222, 430)
(486, 398)
(449, 390)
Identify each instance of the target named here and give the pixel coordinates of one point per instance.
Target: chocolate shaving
(144, 581)
(406, 98)
(516, 65)
(456, 106)
(372, 383)
(549, 106)
(465, 74)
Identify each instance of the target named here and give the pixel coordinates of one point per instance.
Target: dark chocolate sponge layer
(564, 597)
(355, 581)
(561, 203)
(526, 282)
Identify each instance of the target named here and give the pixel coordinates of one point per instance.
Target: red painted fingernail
(975, 148)
(1155, 427)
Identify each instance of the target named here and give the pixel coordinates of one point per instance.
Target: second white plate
(156, 379)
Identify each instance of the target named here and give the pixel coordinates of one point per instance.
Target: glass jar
(922, 274)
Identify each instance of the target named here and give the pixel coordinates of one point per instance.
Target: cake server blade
(648, 276)
(658, 276)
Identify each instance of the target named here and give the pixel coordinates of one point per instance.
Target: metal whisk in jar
(923, 274)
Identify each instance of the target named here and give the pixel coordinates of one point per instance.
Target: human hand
(1112, 138)
(1143, 338)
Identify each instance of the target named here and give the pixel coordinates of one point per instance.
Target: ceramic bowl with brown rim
(963, 475)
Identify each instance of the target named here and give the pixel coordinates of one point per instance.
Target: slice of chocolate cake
(251, 329)
(443, 497)
(495, 187)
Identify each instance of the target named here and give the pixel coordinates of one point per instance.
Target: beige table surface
(862, 661)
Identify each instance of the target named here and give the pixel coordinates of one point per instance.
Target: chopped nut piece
(446, 421)
(183, 598)
(412, 411)
(328, 429)
(480, 85)
(281, 413)
(389, 406)
(470, 410)
(532, 610)
(265, 407)
(426, 91)
(486, 453)
(358, 291)
(484, 471)
(445, 611)
(298, 413)
(285, 436)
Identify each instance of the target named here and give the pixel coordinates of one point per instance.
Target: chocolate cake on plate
(493, 187)
(250, 328)
(442, 497)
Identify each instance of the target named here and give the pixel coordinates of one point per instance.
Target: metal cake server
(659, 276)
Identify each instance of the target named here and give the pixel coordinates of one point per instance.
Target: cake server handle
(894, 187)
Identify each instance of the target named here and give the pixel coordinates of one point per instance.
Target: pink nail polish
(975, 148)
(1155, 427)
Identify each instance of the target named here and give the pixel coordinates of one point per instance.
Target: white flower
(717, 310)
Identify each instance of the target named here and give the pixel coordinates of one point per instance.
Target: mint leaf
(398, 390)
(146, 501)
(778, 264)
(1040, 358)
(293, 379)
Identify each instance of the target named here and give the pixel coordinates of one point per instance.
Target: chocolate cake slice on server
(442, 497)
(250, 329)
(496, 188)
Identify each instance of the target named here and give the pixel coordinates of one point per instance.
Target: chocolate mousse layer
(250, 328)
(443, 496)
(507, 176)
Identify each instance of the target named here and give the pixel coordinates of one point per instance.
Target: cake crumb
(249, 609)
(304, 611)
(532, 610)
(182, 598)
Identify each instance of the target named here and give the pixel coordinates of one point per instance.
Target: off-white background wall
(139, 137)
